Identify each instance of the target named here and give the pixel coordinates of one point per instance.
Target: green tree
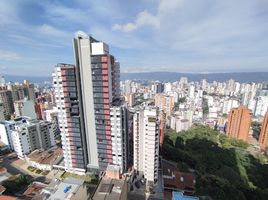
(224, 168)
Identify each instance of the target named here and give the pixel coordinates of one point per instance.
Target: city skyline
(173, 35)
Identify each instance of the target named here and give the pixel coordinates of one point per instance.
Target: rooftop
(34, 189)
(109, 188)
(3, 170)
(174, 179)
(66, 189)
(45, 157)
(112, 186)
(5, 197)
(180, 196)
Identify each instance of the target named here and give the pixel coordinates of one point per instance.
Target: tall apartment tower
(6, 101)
(146, 143)
(164, 102)
(263, 140)
(239, 121)
(85, 94)
(2, 116)
(74, 150)
(119, 132)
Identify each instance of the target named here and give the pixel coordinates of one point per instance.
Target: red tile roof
(4, 197)
(173, 178)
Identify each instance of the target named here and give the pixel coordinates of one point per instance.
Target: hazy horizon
(50, 75)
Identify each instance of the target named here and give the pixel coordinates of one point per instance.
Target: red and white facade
(84, 95)
(68, 116)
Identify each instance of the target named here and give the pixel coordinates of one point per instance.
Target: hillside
(223, 168)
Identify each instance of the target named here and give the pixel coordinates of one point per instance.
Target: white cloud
(9, 55)
(176, 35)
(145, 18)
(142, 19)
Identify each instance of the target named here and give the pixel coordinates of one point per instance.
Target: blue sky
(145, 35)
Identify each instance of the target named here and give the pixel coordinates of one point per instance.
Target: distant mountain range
(166, 76)
(174, 76)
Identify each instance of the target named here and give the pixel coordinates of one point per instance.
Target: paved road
(6, 161)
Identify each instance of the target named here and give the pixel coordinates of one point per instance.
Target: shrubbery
(13, 186)
(224, 169)
(31, 169)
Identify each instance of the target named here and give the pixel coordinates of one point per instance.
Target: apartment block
(6, 128)
(2, 116)
(146, 143)
(239, 121)
(25, 108)
(28, 135)
(119, 132)
(22, 91)
(263, 140)
(165, 103)
(7, 102)
(84, 95)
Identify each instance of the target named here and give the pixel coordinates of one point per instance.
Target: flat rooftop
(180, 196)
(66, 189)
(45, 157)
(109, 189)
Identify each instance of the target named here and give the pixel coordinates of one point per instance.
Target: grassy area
(223, 167)
(87, 178)
(37, 171)
(44, 173)
(31, 169)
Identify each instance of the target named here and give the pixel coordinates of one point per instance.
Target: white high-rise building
(183, 80)
(6, 128)
(168, 87)
(25, 107)
(28, 135)
(182, 124)
(51, 115)
(21, 142)
(228, 105)
(119, 133)
(191, 91)
(146, 143)
(261, 106)
(237, 87)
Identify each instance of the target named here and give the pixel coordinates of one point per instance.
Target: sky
(144, 35)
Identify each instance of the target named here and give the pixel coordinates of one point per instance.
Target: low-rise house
(68, 189)
(175, 180)
(33, 192)
(4, 175)
(44, 160)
